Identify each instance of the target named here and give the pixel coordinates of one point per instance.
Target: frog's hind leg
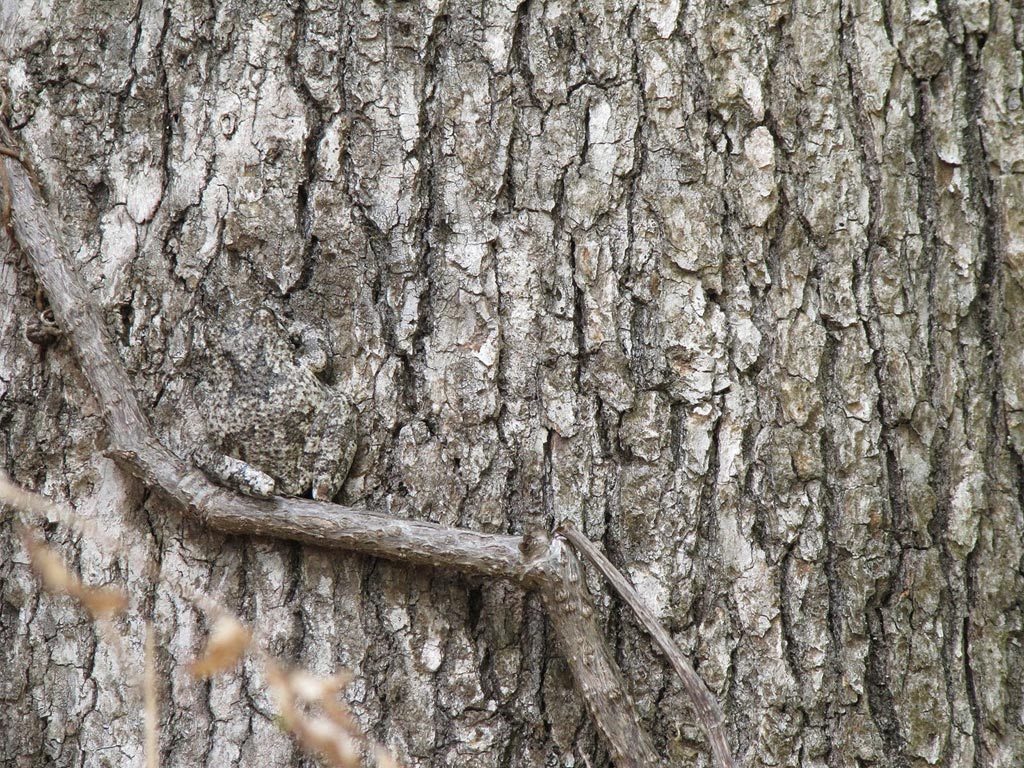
(330, 447)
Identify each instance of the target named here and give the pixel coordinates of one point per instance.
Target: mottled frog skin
(272, 426)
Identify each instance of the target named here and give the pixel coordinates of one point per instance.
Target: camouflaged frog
(272, 426)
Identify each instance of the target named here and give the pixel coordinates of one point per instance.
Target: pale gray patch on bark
(736, 290)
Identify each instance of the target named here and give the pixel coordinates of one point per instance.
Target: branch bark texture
(552, 570)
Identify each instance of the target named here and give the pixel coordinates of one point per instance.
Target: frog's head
(242, 333)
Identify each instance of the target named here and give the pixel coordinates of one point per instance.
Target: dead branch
(708, 711)
(544, 565)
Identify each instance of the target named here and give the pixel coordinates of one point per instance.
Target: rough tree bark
(732, 288)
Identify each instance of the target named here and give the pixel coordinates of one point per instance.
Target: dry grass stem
(334, 735)
(331, 732)
(324, 691)
(101, 602)
(383, 758)
(149, 695)
(229, 639)
(27, 503)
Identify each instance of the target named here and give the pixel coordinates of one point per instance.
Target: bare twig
(708, 712)
(571, 613)
(549, 567)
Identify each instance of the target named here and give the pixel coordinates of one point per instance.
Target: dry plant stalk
(101, 602)
(149, 695)
(331, 735)
(229, 639)
(335, 736)
(384, 759)
(33, 505)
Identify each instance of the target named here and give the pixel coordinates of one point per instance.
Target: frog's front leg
(234, 473)
(330, 447)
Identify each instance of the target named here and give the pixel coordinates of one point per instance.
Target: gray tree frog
(272, 426)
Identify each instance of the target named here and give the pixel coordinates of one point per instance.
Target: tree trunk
(735, 290)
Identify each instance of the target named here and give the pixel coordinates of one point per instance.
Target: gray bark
(735, 290)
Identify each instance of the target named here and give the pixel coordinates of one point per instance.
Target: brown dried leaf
(228, 640)
(50, 567)
(339, 714)
(103, 602)
(334, 737)
(312, 688)
(383, 758)
(280, 687)
(324, 737)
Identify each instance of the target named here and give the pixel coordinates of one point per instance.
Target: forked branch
(542, 564)
(708, 711)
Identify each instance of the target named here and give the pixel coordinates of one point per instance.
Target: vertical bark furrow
(733, 289)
